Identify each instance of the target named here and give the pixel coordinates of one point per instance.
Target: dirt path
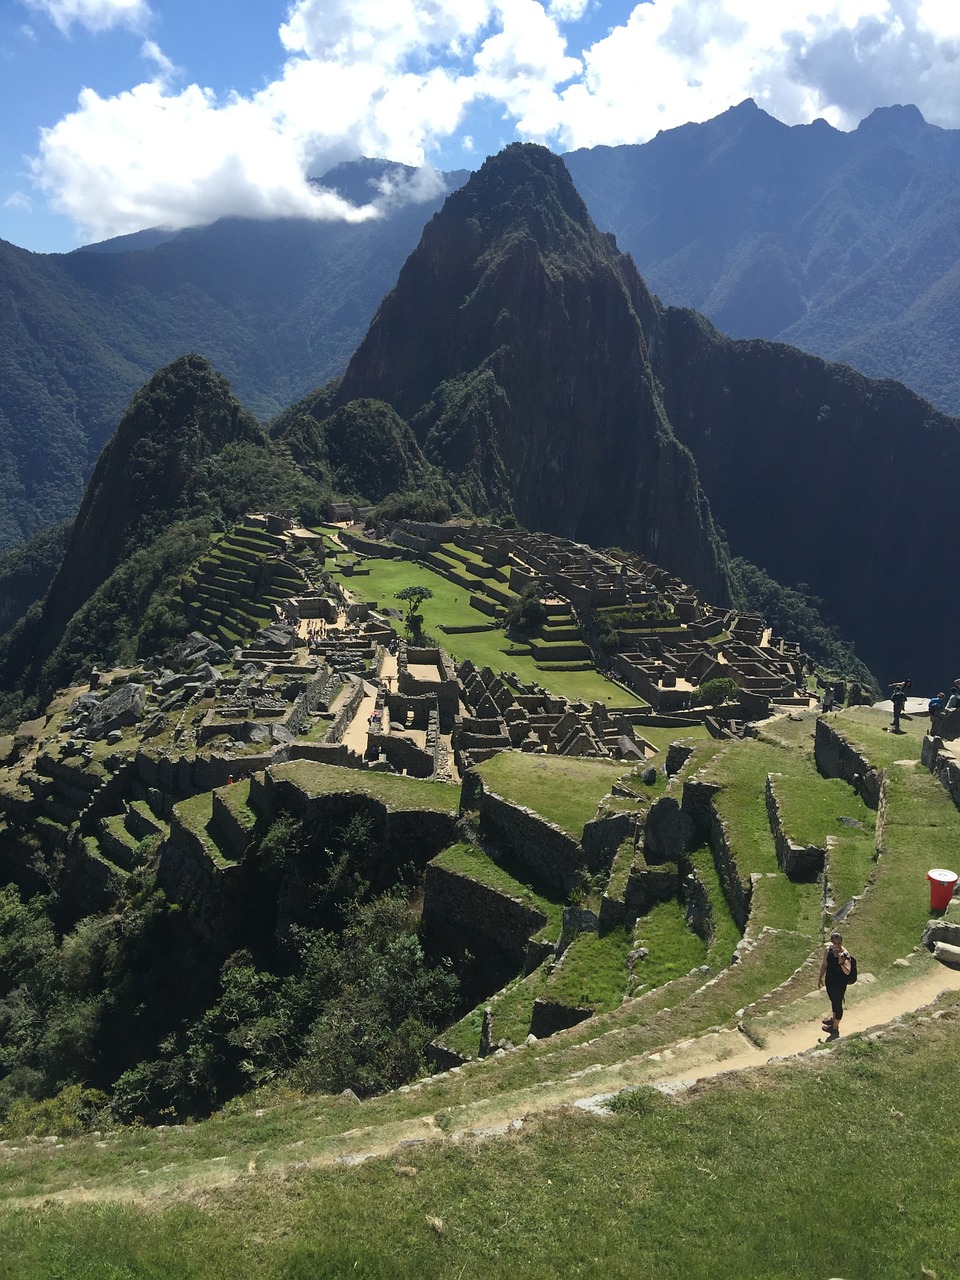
(355, 735)
(677, 1067)
(875, 1010)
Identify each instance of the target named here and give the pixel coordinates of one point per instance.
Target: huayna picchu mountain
(514, 344)
(539, 373)
(521, 368)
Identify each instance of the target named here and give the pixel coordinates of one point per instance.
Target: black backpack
(852, 975)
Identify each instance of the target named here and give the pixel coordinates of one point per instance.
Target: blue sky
(121, 114)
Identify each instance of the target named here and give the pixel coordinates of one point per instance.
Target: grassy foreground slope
(840, 1165)
(834, 1163)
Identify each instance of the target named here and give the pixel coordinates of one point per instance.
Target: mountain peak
(523, 185)
(893, 119)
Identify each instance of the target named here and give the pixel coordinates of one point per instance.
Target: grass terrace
(565, 790)
(466, 859)
(921, 829)
(504, 1208)
(869, 729)
(394, 792)
(450, 607)
(593, 972)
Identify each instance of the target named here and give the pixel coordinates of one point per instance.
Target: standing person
(835, 972)
(899, 700)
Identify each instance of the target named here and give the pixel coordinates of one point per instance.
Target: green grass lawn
(869, 729)
(739, 1179)
(674, 948)
(450, 606)
(921, 830)
(564, 789)
(741, 772)
(593, 971)
(395, 792)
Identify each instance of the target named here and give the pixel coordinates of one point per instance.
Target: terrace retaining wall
(453, 901)
(545, 848)
(836, 758)
(798, 861)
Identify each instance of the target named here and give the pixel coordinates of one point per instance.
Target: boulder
(120, 707)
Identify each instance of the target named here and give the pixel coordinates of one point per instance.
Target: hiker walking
(899, 700)
(835, 973)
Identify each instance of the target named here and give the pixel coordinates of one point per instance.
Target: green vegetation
(713, 692)
(593, 971)
(921, 829)
(395, 792)
(489, 1201)
(565, 789)
(867, 730)
(674, 949)
(795, 612)
(449, 607)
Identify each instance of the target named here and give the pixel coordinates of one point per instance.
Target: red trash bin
(941, 887)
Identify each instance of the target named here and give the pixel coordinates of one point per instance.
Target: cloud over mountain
(404, 79)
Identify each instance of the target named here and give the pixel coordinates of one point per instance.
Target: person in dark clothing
(899, 700)
(834, 972)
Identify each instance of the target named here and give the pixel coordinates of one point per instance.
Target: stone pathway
(355, 736)
(671, 1070)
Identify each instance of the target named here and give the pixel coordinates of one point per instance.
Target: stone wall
(836, 758)
(345, 714)
(455, 902)
(697, 907)
(402, 754)
(603, 837)
(189, 877)
(649, 885)
(234, 835)
(943, 765)
(667, 832)
(697, 804)
(405, 835)
(545, 848)
(798, 861)
(549, 1017)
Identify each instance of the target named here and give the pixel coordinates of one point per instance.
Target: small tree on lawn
(413, 597)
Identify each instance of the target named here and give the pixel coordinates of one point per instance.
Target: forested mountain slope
(277, 307)
(844, 244)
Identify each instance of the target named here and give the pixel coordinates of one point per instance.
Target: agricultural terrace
(566, 790)
(398, 793)
(380, 580)
(278, 1184)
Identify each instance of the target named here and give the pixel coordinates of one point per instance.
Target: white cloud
(17, 200)
(398, 78)
(95, 15)
(680, 60)
(153, 53)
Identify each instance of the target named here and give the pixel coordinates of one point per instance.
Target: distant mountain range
(844, 244)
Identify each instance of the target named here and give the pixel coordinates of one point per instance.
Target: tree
(413, 598)
(528, 612)
(713, 692)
